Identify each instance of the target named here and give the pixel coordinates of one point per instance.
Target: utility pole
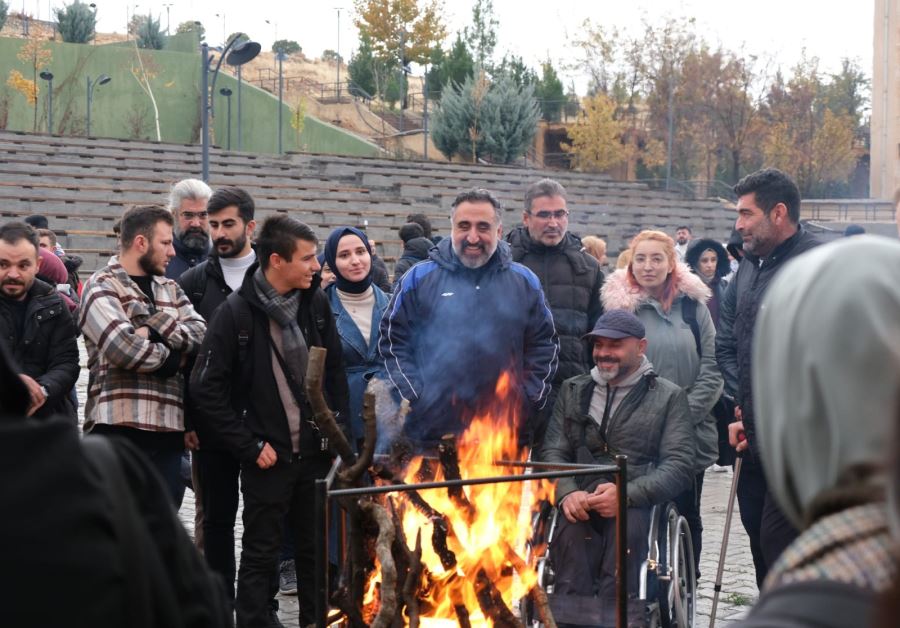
(338, 83)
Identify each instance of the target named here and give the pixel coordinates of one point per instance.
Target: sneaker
(287, 578)
(719, 469)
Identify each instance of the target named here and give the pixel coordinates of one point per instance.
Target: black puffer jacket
(47, 350)
(414, 251)
(239, 402)
(737, 318)
(571, 280)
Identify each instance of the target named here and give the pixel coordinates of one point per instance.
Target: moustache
(12, 282)
(224, 242)
(608, 361)
(194, 231)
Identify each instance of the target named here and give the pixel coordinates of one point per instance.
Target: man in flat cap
(620, 407)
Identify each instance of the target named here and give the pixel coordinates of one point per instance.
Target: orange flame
(500, 517)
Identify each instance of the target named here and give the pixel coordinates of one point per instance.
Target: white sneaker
(719, 469)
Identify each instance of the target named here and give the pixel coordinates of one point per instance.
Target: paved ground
(738, 583)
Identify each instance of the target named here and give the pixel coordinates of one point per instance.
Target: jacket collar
(779, 252)
(248, 290)
(347, 328)
(521, 242)
(619, 294)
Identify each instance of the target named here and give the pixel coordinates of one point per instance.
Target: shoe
(274, 622)
(718, 469)
(287, 578)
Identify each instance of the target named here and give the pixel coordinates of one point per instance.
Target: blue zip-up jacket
(450, 331)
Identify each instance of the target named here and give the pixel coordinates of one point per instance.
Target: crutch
(718, 586)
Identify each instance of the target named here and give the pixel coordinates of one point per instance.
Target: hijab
(331, 246)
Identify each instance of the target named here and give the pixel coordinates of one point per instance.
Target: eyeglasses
(559, 214)
(189, 216)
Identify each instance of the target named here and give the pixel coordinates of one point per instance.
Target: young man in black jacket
(36, 325)
(207, 285)
(247, 387)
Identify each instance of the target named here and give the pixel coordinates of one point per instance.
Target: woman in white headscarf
(826, 369)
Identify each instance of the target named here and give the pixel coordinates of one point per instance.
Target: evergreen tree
(76, 23)
(192, 26)
(149, 34)
(482, 38)
(514, 67)
(454, 67)
(361, 69)
(4, 13)
(550, 93)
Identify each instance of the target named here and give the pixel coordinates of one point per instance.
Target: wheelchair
(668, 581)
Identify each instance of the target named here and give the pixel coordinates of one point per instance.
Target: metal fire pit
(324, 493)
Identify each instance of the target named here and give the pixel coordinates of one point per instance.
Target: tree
(149, 35)
(76, 23)
(401, 30)
(4, 13)
(238, 36)
(361, 69)
(478, 119)
(144, 72)
(549, 91)
(482, 38)
(331, 56)
(298, 118)
(596, 135)
(454, 67)
(515, 68)
(135, 24)
(192, 26)
(38, 56)
(286, 46)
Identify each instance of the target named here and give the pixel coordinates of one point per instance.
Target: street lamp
(168, 6)
(227, 94)
(280, 56)
(338, 51)
(224, 32)
(94, 34)
(48, 76)
(240, 53)
(103, 79)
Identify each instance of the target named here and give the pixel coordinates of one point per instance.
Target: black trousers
(218, 472)
(288, 487)
(688, 505)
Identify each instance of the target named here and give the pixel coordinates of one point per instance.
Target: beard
(475, 262)
(194, 238)
(147, 265)
(608, 370)
(236, 246)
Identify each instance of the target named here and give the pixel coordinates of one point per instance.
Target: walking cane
(718, 585)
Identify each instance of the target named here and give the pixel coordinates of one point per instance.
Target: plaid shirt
(852, 546)
(122, 389)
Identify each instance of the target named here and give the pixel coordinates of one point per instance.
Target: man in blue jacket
(458, 320)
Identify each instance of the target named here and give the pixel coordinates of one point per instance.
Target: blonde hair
(670, 287)
(624, 259)
(595, 247)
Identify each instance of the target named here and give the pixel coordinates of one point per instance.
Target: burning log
(492, 604)
(345, 603)
(410, 585)
(322, 414)
(352, 474)
(454, 585)
(388, 569)
(449, 458)
(536, 593)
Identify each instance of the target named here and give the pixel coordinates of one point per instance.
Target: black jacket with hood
(414, 251)
(47, 351)
(571, 280)
(238, 400)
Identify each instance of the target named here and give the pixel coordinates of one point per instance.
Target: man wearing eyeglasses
(571, 280)
(187, 202)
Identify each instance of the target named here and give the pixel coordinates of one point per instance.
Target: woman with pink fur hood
(662, 292)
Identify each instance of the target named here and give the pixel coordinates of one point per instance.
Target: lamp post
(280, 57)
(275, 25)
(48, 76)
(227, 94)
(224, 32)
(168, 6)
(103, 79)
(93, 5)
(240, 142)
(338, 82)
(240, 53)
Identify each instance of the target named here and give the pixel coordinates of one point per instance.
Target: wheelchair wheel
(683, 585)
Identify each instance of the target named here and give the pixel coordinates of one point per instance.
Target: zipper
(206, 365)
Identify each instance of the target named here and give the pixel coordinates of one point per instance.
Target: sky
(534, 30)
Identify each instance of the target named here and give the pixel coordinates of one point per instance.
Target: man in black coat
(207, 285)
(768, 220)
(187, 202)
(247, 386)
(571, 280)
(36, 325)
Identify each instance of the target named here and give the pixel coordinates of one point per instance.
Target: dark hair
(279, 234)
(422, 220)
(13, 232)
(771, 186)
(544, 187)
(37, 221)
(228, 196)
(49, 233)
(411, 230)
(686, 228)
(477, 195)
(142, 220)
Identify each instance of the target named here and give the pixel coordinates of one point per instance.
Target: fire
(496, 521)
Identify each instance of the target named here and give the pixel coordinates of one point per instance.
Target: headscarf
(331, 245)
(52, 267)
(697, 248)
(826, 359)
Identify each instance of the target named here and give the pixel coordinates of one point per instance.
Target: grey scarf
(283, 310)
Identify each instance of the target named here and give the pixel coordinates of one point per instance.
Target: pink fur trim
(618, 294)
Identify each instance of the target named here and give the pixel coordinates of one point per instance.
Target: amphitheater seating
(84, 185)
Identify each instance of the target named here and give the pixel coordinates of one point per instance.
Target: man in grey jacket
(620, 407)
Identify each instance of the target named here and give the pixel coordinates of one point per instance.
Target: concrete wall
(884, 175)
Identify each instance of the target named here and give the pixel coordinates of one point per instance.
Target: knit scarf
(282, 308)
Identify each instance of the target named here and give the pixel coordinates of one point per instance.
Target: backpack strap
(689, 314)
(198, 284)
(240, 310)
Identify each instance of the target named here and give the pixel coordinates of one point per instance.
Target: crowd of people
(690, 351)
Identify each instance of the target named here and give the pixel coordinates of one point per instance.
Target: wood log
(411, 584)
(385, 539)
(455, 584)
(449, 458)
(322, 414)
(353, 473)
(536, 593)
(492, 604)
(350, 608)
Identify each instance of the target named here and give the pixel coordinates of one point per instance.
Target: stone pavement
(738, 583)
